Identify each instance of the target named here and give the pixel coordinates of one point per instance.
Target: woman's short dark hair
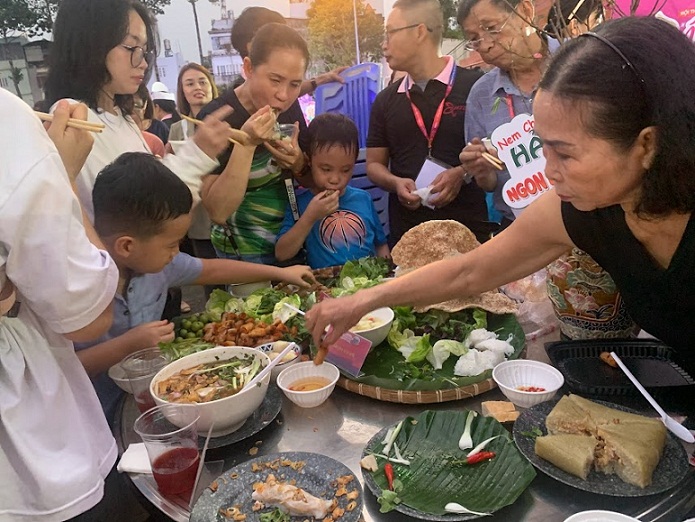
(562, 12)
(276, 36)
(144, 94)
(136, 194)
(84, 33)
(248, 23)
(465, 6)
(181, 101)
(333, 129)
(619, 99)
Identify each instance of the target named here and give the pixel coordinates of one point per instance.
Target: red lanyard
(510, 106)
(437, 116)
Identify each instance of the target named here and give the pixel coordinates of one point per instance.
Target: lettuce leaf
(441, 351)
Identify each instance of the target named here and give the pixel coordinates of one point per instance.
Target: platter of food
(308, 486)
(636, 454)
(430, 472)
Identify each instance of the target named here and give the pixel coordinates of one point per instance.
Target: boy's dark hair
(331, 128)
(249, 21)
(83, 34)
(136, 194)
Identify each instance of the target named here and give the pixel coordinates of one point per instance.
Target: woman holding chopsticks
(247, 196)
(102, 52)
(502, 32)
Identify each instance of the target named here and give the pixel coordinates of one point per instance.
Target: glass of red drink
(170, 437)
(140, 367)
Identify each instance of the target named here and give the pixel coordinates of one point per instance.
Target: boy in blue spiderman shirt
(336, 223)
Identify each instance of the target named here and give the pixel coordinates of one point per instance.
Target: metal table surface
(341, 427)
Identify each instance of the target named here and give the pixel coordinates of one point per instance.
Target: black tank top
(661, 301)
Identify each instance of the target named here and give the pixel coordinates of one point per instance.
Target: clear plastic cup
(171, 439)
(140, 367)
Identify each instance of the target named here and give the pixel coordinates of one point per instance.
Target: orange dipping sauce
(309, 384)
(530, 388)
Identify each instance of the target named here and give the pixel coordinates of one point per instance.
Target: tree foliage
(332, 32)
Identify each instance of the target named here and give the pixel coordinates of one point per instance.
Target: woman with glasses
(616, 115)
(102, 51)
(570, 18)
(502, 32)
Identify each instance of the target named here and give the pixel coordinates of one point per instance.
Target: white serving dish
(227, 414)
(377, 334)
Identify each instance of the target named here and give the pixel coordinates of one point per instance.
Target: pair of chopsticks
(492, 160)
(74, 123)
(239, 137)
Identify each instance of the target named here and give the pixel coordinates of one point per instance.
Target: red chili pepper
(388, 471)
(480, 457)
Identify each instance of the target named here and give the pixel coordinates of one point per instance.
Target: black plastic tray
(650, 361)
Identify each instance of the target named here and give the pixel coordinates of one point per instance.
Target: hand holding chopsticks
(238, 137)
(493, 160)
(74, 122)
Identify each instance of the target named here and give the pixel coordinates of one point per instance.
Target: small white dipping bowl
(377, 334)
(272, 350)
(305, 370)
(597, 515)
(510, 375)
(227, 414)
(118, 375)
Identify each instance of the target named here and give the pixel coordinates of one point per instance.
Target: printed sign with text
(522, 152)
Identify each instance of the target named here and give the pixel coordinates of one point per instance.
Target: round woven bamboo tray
(416, 397)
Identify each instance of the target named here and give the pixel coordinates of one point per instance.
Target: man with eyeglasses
(416, 125)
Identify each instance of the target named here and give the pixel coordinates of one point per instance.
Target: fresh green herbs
(276, 515)
(390, 499)
(535, 432)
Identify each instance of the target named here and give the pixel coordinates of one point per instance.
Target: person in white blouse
(55, 445)
(102, 51)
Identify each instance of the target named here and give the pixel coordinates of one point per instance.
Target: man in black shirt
(419, 118)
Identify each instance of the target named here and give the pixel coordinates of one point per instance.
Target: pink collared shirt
(442, 77)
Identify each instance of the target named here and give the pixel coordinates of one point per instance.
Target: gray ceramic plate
(316, 477)
(672, 467)
(264, 415)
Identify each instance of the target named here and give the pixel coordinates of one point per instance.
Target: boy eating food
(141, 213)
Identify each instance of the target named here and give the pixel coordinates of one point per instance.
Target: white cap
(163, 95)
(159, 87)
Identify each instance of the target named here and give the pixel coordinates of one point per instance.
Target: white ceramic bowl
(118, 375)
(303, 370)
(227, 414)
(597, 515)
(275, 348)
(510, 375)
(246, 289)
(378, 333)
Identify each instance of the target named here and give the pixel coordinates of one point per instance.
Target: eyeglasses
(138, 54)
(390, 32)
(488, 32)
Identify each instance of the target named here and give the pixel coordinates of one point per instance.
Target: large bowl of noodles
(211, 384)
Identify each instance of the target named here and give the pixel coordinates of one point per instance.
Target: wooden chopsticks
(74, 123)
(239, 137)
(492, 160)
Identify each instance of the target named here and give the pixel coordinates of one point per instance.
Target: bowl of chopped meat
(213, 382)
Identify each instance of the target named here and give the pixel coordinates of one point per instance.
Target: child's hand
(323, 204)
(299, 275)
(151, 334)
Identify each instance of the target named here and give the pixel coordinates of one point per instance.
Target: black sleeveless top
(661, 301)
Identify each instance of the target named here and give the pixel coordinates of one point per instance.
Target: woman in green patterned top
(247, 197)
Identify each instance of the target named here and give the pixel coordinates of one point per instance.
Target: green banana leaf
(386, 367)
(437, 474)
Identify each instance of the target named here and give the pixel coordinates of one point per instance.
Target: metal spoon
(674, 427)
